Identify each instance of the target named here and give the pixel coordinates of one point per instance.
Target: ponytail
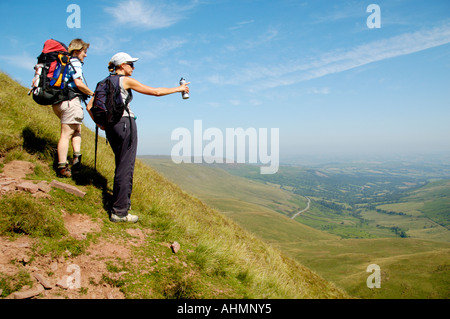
(111, 67)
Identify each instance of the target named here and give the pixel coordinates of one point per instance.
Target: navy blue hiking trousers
(123, 140)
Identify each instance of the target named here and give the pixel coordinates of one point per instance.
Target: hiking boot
(76, 163)
(129, 218)
(64, 171)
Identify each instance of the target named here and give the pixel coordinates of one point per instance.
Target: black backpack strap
(127, 101)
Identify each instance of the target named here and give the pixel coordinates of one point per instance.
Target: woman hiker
(119, 135)
(71, 111)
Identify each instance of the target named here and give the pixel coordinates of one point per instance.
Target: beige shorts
(70, 112)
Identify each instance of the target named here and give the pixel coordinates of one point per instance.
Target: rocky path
(62, 277)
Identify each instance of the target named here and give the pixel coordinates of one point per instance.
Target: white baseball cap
(122, 57)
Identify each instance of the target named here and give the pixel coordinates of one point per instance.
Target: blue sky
(313, 69)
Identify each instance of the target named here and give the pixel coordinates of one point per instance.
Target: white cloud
(262, 39)
(404, 44)
(154, 15)
(107, 43)
(162, 48)
(339, 12)
(340, 60)
(240, 24)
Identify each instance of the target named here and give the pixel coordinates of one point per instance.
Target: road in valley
(304, 210)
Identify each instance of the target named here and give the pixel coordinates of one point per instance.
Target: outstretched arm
(130, 83)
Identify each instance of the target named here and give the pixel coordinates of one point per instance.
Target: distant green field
(436, 201)
(425, 212)
(410, 268)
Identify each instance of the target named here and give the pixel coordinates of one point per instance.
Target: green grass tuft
(21, 214)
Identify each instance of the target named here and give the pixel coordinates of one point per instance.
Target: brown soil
(17, 255)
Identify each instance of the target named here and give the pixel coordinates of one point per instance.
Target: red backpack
(48, 85)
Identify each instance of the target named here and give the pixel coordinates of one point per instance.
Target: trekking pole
(96, 131)
(96, 141)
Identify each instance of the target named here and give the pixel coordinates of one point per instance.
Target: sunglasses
(130, 64)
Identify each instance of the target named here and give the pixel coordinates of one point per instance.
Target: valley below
(339, 218)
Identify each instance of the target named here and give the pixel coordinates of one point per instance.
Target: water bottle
(184, 94)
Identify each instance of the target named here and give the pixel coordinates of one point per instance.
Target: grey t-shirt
(124, 94)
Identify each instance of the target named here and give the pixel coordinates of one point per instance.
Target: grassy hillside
(432, 200)
(217, 259)
(214, 187)
(415, 267)
(410, 268)
(259, 207)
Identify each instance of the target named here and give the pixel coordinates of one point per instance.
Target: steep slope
(420, 262)
(216, 259)
(259, 208)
